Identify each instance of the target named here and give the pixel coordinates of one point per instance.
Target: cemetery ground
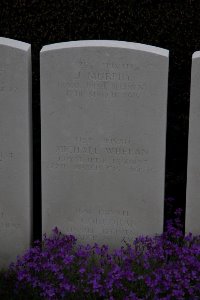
(165, 266)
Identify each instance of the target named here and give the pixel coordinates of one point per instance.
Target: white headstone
(193, 170)
(15, 142)
(103, 115)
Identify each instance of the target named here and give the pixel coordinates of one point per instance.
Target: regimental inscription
(113, 81)
(6, 157)
(114, 154)
(5, 224)
(103, 223)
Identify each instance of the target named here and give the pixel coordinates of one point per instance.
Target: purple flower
(163, 267)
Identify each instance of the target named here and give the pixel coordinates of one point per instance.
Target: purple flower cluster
(161, 267)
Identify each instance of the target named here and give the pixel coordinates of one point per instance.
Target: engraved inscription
(103, 223)
(6, 157)
(109, 80)
(7, 224)
(110, 153)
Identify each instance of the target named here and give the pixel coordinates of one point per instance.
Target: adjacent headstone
(15, 143)
(103, 115)
(193, 170)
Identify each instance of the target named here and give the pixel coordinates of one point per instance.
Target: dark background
(174, 25)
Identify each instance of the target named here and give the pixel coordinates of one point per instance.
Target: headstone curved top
(193, 168)
(15, 149)
(106, 43)
(14, 44)
(196, 55)
(103, 118)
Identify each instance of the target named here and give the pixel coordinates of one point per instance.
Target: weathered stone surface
(193, 170)
(103, 116)
(15, 143)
